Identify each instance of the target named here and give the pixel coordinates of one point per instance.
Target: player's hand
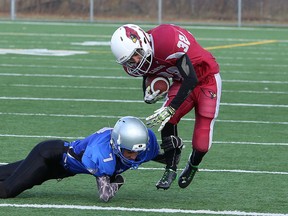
(117, 179)
(162, 115)
(171, 142)
(152, 98)
(108, 186)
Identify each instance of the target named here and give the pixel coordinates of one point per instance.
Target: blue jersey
(98, 157)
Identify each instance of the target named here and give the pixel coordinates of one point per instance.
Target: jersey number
(109, 158)
(183, 42)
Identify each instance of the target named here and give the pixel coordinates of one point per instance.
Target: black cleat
(187, 175)
(168, 177)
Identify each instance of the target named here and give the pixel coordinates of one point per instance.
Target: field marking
(123, 77)
(161, 210)
(256, 81)
(129, 101)
(41, 52)
(107, 43)
(131, 88)
(241, 44)
(116, 117)
(54, 67)
(185, 141)
(53, 35)
(229, 28)
(225, 170)
(212, 170)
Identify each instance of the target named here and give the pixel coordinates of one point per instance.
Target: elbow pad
(189, 81)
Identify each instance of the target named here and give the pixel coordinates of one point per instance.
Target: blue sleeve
(98, 157)
(153, 147)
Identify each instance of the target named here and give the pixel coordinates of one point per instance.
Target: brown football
(158, 83)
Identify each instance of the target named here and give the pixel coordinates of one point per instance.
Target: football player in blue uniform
(105, 154)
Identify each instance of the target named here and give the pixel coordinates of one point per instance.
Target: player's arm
(189, 81)
(108, 186)
(144, 85)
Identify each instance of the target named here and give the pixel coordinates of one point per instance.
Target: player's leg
(201, 143)
(206, 113)
(172, 156)
(42, 163)
(7, 169)
(172, 145)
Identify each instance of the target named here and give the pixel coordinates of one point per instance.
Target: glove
(162, 115)
(171, 142)
(152, 98)
(117, 179)
(108, 187)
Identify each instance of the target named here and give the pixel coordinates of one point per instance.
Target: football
(157, 83)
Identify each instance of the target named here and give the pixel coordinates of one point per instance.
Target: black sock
(196, 157)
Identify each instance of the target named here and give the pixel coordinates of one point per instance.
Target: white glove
(152, 98)
(162, 115)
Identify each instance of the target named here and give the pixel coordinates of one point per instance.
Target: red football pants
(205, 98)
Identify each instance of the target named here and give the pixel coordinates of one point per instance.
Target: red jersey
(169, 43)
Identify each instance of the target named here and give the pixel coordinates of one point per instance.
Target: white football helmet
(129, 133)
(127, 41)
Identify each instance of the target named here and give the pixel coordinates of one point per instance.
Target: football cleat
(187, 175)
(168, 177)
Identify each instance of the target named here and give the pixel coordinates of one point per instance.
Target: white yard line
(124, 209)
(118, 68)
(129, 101)
(130, 88)
(185, 141)
(115, 117)
(119, 77)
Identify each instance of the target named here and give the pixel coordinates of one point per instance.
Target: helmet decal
(133, 35)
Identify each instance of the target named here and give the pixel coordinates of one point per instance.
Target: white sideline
(162, 210)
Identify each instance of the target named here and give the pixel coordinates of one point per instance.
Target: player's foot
(168, 177)
(187, 175)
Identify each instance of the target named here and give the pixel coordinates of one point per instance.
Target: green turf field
(47, 92)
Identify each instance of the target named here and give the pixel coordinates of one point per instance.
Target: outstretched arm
(108, 186)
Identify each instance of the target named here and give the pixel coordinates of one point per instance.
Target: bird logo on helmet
(127, 41)
(132, 34)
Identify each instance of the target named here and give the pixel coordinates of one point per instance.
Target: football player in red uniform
(173, 52)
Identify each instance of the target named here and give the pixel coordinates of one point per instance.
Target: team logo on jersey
(209, 93)
(132, 34)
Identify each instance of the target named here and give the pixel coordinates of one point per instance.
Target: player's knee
(203, 149)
